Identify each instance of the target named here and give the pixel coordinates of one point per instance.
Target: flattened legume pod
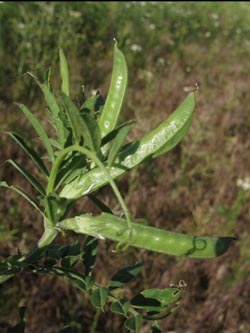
(146, 237)
(113, 104)
(163, 138)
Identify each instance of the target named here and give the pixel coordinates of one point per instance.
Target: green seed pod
(113, 104)
(146, 237)
(159, 141)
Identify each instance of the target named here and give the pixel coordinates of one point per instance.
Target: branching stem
(97, 161)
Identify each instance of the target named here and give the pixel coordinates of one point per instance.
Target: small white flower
(136, 48)
(215, 16)
(49, 8)
(74, 13)
(207, 34)
(152, 26)
(94, 92)
(148, 74)
(244, 183)
(20, 25)
(170, 42)
(161, 61)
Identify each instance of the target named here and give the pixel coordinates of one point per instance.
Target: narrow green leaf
(78, 279)
(47, 78)
(70, 169)
(55, 112)
(134, 323)
(90, 252)
(91, 132)
(22, 193)
(84, 125)
(33, 181)
(39, 129)
(64, 72)
(31, 152)
(118, 142)
(100, 204)
(99, 297)
(72, 249)
(124, 275)
(73, 117)
(111, 135)
(55, 144)
(55, 207)
(71, 254)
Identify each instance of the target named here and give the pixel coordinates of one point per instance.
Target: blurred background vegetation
(201, 187)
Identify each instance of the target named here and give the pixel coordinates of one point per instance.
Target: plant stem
(95, 321)
(93, 156)
(47, 237)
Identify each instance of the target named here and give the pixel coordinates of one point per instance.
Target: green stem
(93, 156)
(47, 237)
(95, 321)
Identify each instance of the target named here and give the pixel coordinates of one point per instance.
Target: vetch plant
(88, 152)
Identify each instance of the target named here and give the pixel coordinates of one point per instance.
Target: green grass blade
(23, 194)
(33, 181)
(64, 72)
(30, 152)
(39, 129)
